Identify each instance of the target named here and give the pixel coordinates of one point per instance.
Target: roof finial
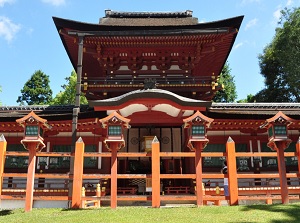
(230, 139)
(2, 138)
(155, 140)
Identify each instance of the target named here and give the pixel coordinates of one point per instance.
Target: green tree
(68, 95)
(0, 91)
(279, 63)
(250, 98)
(228, 93)
(36, 90)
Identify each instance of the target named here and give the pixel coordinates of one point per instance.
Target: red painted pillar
(3, 145)
(232, 172)
(282, 172)
(78, 172)
(298, 154)
(155, 173)
(198, 167)
(31, 147)
(114, 172)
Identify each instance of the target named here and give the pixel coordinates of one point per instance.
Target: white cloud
(238, 45)
(8, 29)
(54, 2)
(289, 3)
(277, 14)
(29, 31)
(251, 23)
(2, 2)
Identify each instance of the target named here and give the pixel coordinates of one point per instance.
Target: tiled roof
(117, 18)
(264, 106)
(256, 108)
(55, 108)
(8, 113)
(120, 14)
(215, 107)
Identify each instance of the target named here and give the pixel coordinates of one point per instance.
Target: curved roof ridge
(158, 91)
(148, 93)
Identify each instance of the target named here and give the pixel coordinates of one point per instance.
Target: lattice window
(280, 130)
(32, 130)
(198, 130)
(114, 130)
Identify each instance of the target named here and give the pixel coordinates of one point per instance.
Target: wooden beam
(213, 154)
(134, 154)
(96, 176)
(97, 154)
(135, 198)
(8, 153)
(178, 197)
(54, 154)
(265, 175)
(177, 154)
(42, 198)
(263, 154)
(178, 176)
(43, 175)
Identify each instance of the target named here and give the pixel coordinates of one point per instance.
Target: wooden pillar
(155, 173)
(114, 177)
(3, 145)
(76, 109)
(198, 167)
(31, 147)
(232, 172)
(282, 172)
(98, 194)
(298, 154)
(78, 172)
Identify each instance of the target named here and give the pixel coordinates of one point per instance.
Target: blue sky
(29, 40)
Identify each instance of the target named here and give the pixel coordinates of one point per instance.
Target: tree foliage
(68, 95)
(228, 93)
(279, 63)
(250, 98)
(0, 91)
(36, 90)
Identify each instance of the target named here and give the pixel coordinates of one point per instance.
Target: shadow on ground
(5, 212)
(290, 211)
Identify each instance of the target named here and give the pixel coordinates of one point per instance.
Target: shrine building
(150, 132)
